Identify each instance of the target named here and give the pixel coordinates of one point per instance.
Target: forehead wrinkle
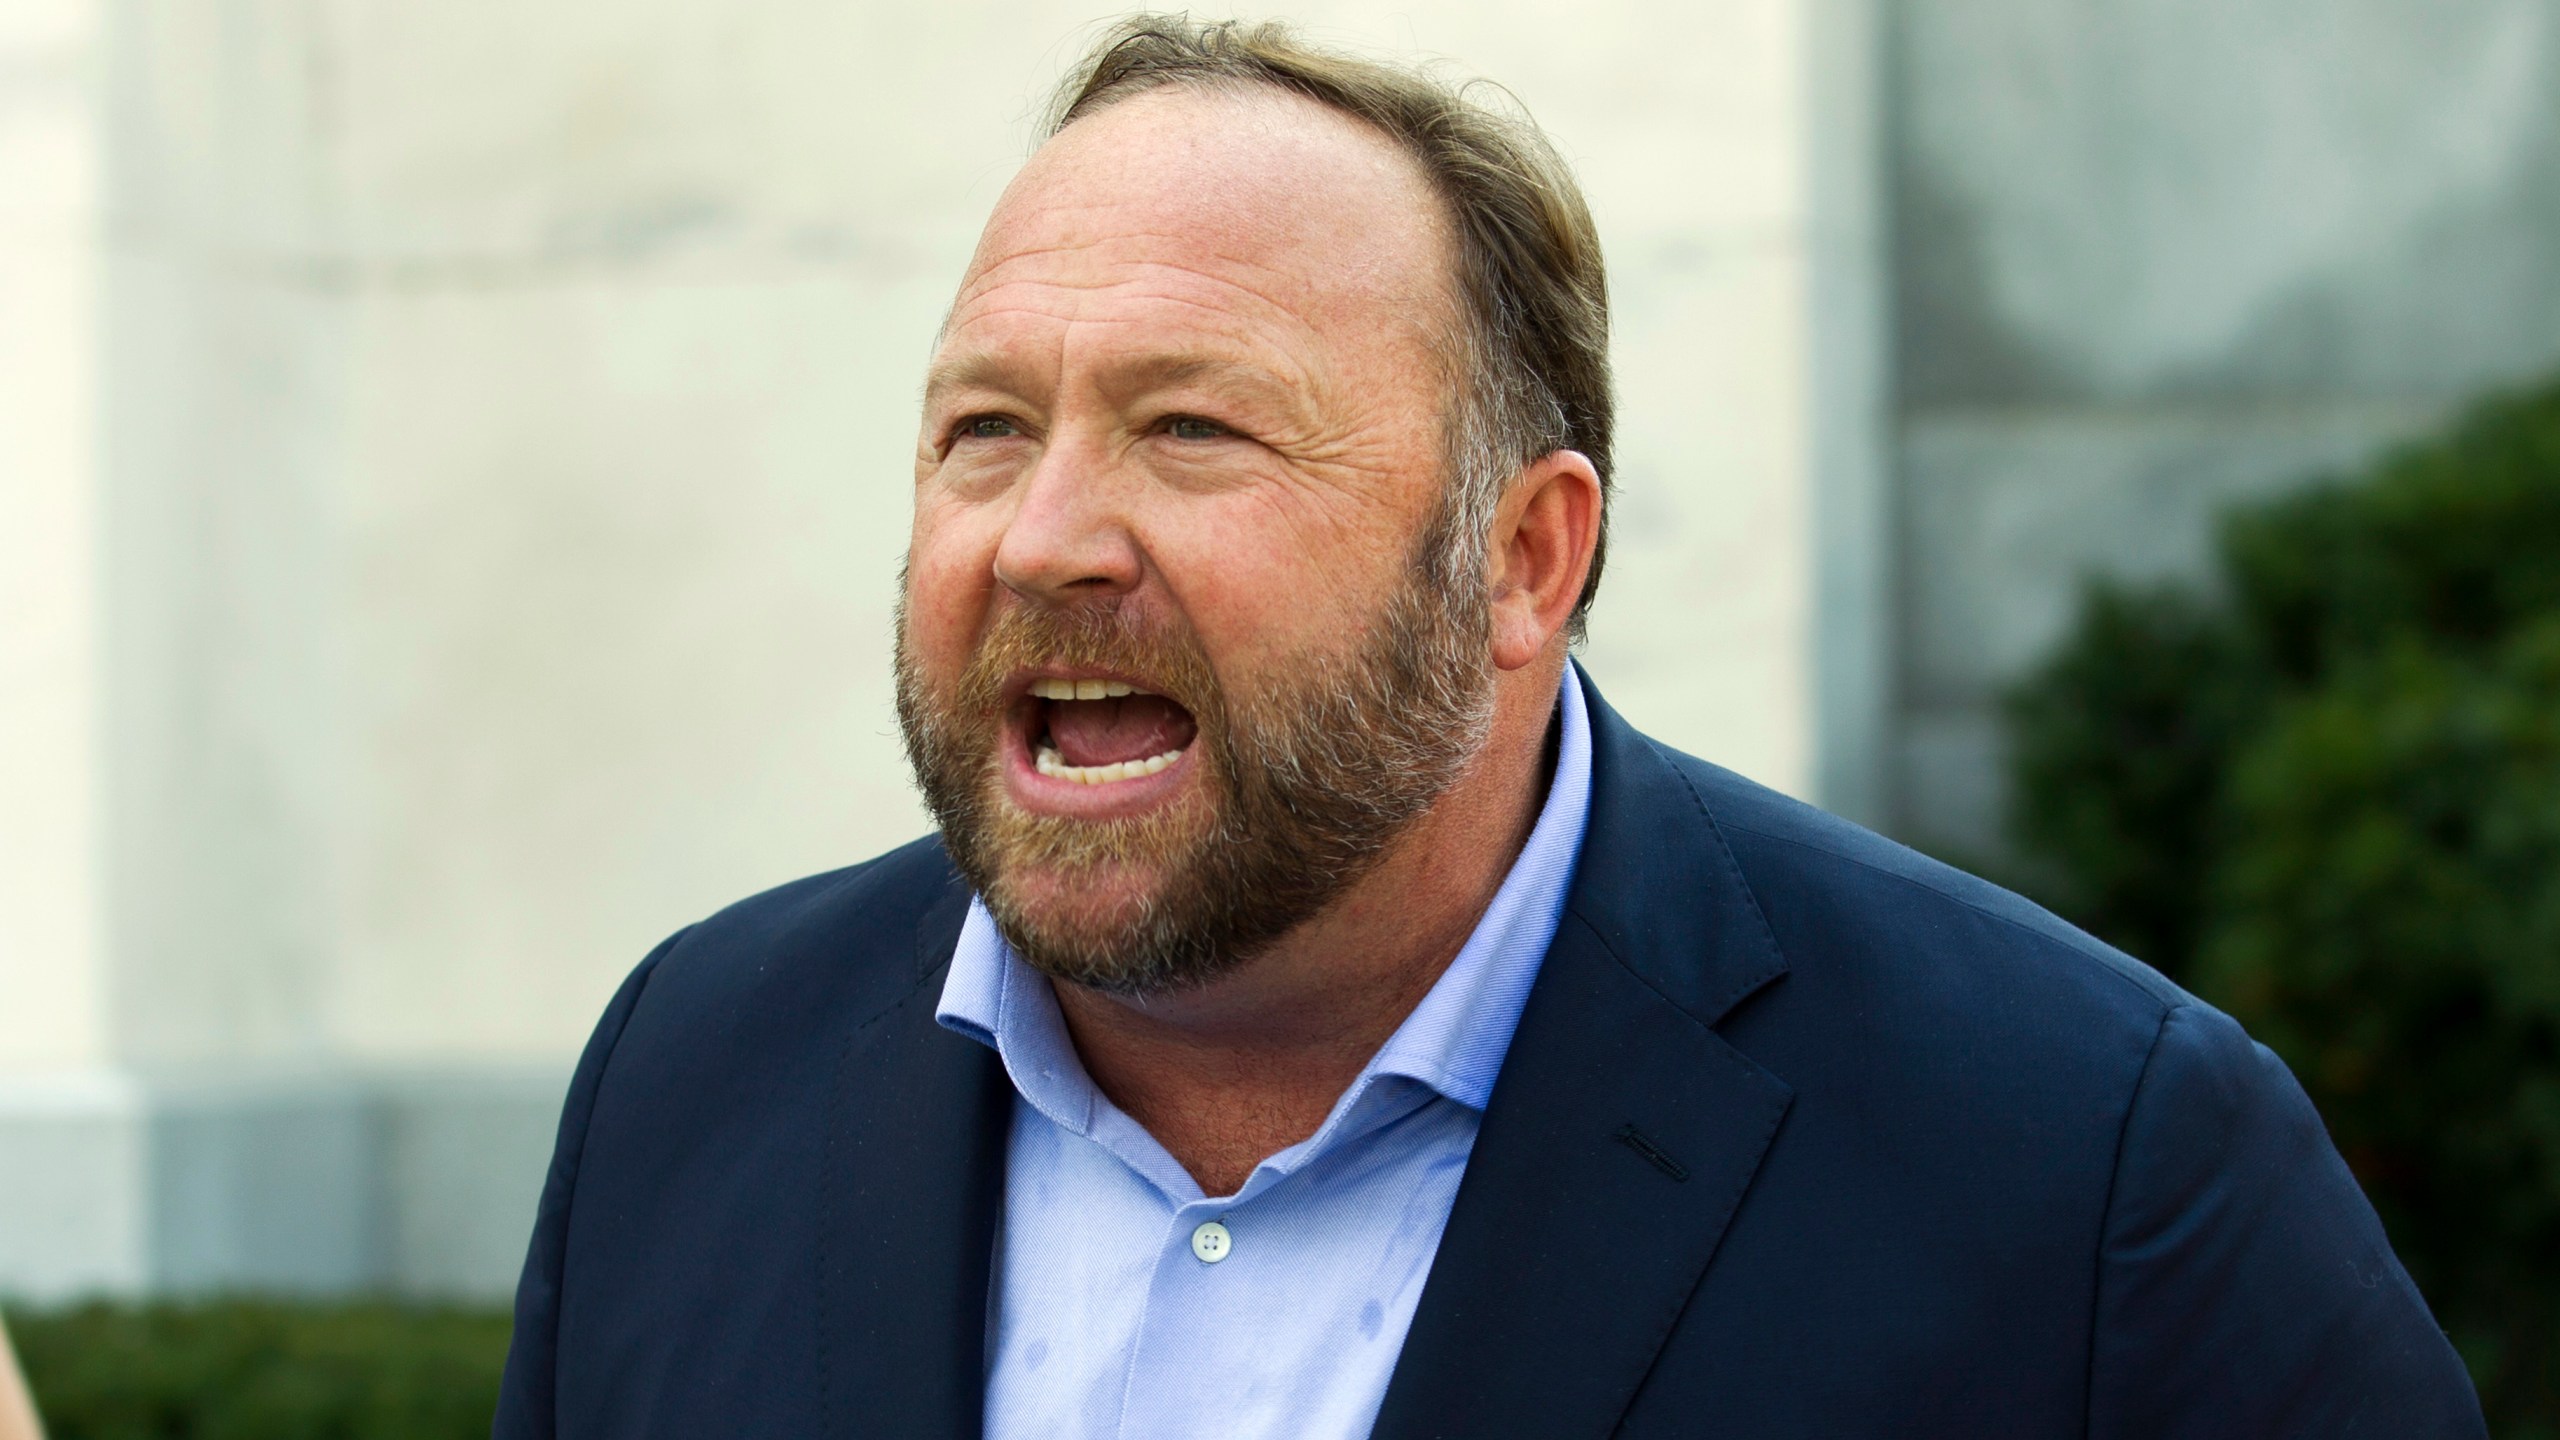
(1273, 289)
(1226, 322)
(1224, 345)
(1272, 259)
(1150, 295)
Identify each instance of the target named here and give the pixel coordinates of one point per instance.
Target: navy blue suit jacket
(1802, 1135)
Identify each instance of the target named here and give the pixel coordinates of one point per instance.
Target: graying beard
(1307, 805)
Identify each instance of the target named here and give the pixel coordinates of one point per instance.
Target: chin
(1091, 913)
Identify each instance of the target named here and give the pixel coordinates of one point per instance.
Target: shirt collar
(1453, 1041)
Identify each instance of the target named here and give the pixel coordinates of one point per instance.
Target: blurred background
(454, 461)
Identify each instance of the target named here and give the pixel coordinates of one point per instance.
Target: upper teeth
(1082, 689)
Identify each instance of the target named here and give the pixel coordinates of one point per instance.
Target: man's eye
(985, 427)
(1192, 427)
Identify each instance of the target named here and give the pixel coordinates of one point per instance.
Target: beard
(1303, 785)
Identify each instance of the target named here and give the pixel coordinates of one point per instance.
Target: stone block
(620, 558)
(1951, 792)
(74, 1170)
(2006, 516)
(481, 134)
(2106, 200)
(1699, 632)
(464, 1154)
(220, 748)
(420, 1183)
(265, 1184)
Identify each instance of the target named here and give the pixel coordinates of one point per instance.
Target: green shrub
(262, 1370)
(2325, 794)
(2117, 752)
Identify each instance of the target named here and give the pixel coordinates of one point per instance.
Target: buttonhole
(1654, 1155)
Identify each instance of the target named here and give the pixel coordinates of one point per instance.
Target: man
(1319, 1014)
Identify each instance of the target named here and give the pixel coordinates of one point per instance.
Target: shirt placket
(1220, 1257)
(1202, 1272)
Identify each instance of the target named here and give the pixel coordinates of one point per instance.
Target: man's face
(1166, 668)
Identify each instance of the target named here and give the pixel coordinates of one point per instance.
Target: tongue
(1107, 732)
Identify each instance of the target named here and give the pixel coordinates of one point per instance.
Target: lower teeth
(1047, 761)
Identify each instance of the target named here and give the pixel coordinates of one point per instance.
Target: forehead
(1203, 216)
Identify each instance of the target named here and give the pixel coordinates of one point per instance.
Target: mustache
(1166, 658)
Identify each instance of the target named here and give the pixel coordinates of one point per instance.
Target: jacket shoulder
(846, 943)
(905, 881)
(1837, 888)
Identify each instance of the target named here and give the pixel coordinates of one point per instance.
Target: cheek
(1264, 581)
(950, 581)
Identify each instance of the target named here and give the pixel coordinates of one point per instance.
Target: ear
(1543, 535)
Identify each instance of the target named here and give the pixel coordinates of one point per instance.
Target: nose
(1069, 540)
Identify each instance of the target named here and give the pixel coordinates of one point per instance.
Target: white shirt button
(1211, 1242)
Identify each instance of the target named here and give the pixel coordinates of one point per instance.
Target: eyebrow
(991, 369)
(969, 368)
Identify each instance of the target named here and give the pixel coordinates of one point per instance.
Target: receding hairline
(1250, 92)
(1442, 282)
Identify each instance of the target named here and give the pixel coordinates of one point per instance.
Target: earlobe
(1543, 537)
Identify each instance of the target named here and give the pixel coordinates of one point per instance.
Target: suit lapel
(1618, 1142)
(913, 1186)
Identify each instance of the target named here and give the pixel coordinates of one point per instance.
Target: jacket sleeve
(527, 1396)
(2244, 1285)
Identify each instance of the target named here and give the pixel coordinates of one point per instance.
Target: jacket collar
(911, 1190)
(1658, 885)
(1620, 1139)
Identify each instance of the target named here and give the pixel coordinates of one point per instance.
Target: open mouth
(1103, 732)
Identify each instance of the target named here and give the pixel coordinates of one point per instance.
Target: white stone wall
(538, 389)
(469, 499)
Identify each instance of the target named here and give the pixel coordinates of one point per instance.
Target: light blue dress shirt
(1106, 1320)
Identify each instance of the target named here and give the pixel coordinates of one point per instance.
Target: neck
(1225, 1074)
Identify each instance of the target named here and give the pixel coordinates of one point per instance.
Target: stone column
(69, 1142)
